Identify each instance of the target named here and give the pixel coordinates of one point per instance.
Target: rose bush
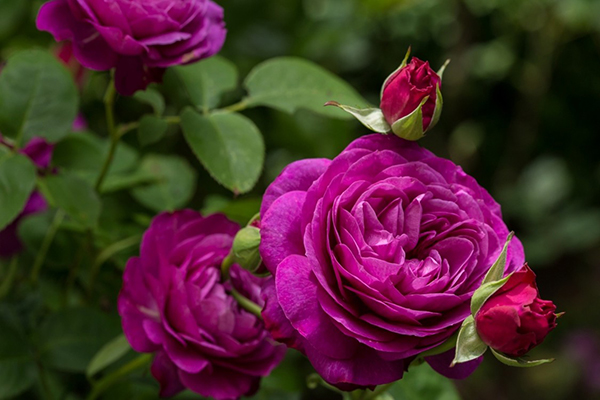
(140, 38)
(174, 304)
(375, 256)
(514, 319)
(40, 153)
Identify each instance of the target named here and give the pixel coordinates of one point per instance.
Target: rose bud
(514, 319)
(411, 101)
(139, 38)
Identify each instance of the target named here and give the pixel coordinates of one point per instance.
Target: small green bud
(245, 248)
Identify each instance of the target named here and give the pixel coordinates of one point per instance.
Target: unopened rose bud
(245, 248)
(514, 319)
(411, 101)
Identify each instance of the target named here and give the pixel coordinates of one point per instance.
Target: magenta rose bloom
(404, 90)
(514, 319)
(140, 38)
(173, 304)
(40, 152)
(376, 255)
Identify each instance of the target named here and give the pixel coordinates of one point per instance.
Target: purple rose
(514, 319)
(40, 152)
(404, 90)
(140, 38)
(173, 303)
(376, 255)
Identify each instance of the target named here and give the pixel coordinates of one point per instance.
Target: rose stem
(109, 380)
(46, 243)
(109, 101)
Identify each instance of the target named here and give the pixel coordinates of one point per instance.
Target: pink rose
(139, 38)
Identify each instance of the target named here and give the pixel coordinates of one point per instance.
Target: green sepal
(437, 112)
(245, 248)
(469, 345)
(484, 292)
(442, 348)
(372, 118)
(519, 362)
(404, 62)
(442, 69)
(410, 127)
(450, 343)
(496, 271)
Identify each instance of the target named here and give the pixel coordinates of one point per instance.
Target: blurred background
(521, 107)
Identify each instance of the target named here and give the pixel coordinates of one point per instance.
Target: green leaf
(11, 16)
(73, 195)
(207, 80)
(519, 362)
(289, 83)
(468, 345)
(496, 271)
(128, 180)
(410, 127)
(108, 354)
(153, 98)
(174, 183)
(240, 210)
(372, 118)
(85, 154)
(17, 180)
(151, 130)
(70, 338)
(423, 383)
(17, 367)
(228, 145)
(37, 97)
(484, 292)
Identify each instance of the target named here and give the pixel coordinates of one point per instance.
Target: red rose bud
(411, 101)
(514, 319)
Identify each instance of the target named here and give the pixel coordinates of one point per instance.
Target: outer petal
(366, 368)
(221, 383)
(280, 230)
(133, 293)
(297, 294)
(275, 320)
(299, 175)
(440, 363)
(89, 48)
(165, 372)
